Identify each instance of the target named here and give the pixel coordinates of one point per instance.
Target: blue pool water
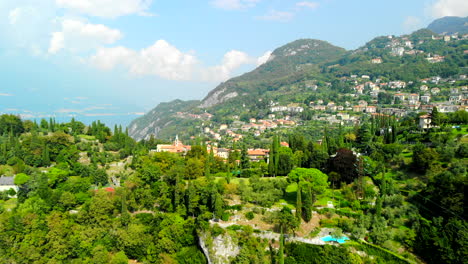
(339, 240)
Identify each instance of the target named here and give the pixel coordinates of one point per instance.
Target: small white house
(7, 183)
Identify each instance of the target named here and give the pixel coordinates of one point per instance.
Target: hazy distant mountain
(159, 118)
(450, 25)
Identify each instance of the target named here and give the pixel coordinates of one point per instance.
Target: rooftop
(7, 180)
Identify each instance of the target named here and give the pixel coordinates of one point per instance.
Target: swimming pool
(340, 240)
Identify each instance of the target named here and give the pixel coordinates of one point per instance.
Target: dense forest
(91, 194)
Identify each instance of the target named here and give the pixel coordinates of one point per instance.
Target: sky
(114, 60)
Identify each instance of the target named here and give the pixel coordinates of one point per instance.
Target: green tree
(435, 117)
(423, 158)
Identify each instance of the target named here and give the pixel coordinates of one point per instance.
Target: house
(399, 96)
(362, 102)
(435, 90)
(7, 183)
(435, 59)
(359, 108)
(320, 108)
(376, 61)
(284, 144)
(371, 109)
(343, 116)
(455, 98)
(413, 98)
(256, 155)
(426, 108)
(423, 88)
(398, 51)
(425, 122)
(223, 127)
(425, 98)
(176, 147)
(206, 115)
(295, 108)
(278, 109)
(454, 90)
(222, 153)
(397, 84)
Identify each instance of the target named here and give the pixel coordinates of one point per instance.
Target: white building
(7, 183)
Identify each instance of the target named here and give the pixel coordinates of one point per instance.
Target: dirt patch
(305, 228)
(233, 200)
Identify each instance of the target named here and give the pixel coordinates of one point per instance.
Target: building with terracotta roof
(256, 155)
(425, 122)
(176, 147)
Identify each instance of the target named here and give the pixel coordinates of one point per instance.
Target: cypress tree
(277, 145)
(281, 248)
(299, 203)
(307, 205)
(45, 156)
(435, 117)
(272, 163)
(245, 161)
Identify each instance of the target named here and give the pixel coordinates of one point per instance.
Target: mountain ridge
(450, 25)
(295, 72)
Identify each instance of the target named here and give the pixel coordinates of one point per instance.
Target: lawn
(10, 204)
(90, 138)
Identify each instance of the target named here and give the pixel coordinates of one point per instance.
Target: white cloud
(411, 23)
(231, 62)
(161, 59)
(107, 8)
(67, 111)
(264, 58)
(274, 15)
(57, 42)
(166, 61)
(25, 25)
(234, 4)
(306, 4)
(101, 114)
(5, 94)
(450, 8)
(79, 36)
(14, 15)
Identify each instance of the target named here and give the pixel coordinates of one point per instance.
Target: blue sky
(113, 60)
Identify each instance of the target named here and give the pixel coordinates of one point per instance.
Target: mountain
(286, 63)
(303, 71)
(450, 25)
(290, 59)
(159, 118)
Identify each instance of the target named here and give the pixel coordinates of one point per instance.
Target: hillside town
(368, 97)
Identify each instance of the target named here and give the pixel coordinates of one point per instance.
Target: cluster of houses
(350, 112)
(255, 155)
(204, 116)
(404, 46)
(254, 126)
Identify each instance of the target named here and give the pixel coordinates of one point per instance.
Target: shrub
(225, 216)
(250, 215)
(217, 230)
